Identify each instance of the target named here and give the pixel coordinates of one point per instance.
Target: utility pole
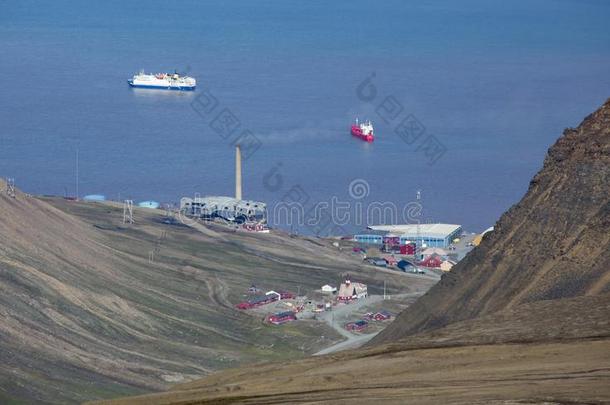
(168, 210)
(384, 296)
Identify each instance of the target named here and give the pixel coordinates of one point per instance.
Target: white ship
(166, 81)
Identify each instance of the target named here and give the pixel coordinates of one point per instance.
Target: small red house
(408, 249)
(433, 261)
(357, 326)
(287, 295)
(382, 316)
(259, 300)
(282, 317)
(390, 260)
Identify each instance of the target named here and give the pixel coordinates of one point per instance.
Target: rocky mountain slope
(85, 313)
(525, 318)
(555, 243)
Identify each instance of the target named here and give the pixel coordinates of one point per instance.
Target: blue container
(94, 197)
(149, 204)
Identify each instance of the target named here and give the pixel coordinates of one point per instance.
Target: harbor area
(420, 249)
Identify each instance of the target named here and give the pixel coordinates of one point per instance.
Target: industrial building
(429, 235)
(233, 209)
(228, 208)
(369, 238)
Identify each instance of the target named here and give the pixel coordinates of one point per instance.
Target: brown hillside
(85, 315)
(519, 356)
(554, 243)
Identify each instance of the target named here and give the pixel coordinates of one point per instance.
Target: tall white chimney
(237, 172)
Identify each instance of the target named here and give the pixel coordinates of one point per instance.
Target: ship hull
(160, 86)
(357, 132)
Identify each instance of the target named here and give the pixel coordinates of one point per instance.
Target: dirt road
(339, 316)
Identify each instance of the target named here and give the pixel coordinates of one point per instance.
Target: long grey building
(228, 208)
(432, 235)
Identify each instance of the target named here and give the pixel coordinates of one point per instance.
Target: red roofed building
(382, 316)
(433, 261)
(390, 260)
(282, 317)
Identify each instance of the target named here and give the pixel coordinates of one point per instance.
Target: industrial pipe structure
(237, 172)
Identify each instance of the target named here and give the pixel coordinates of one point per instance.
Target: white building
(328, 288)
(352, 291)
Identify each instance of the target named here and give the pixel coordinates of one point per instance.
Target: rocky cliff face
(553, 244)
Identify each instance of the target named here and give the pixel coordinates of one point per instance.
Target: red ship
(363, 130)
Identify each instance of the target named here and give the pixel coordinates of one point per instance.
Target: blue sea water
(493, 82)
